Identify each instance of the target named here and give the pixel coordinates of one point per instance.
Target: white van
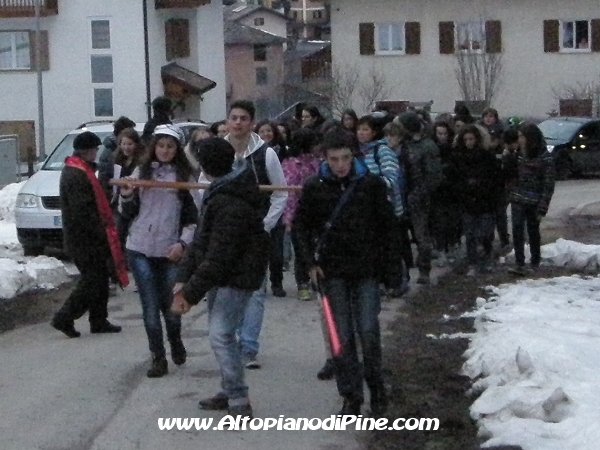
(37, 211)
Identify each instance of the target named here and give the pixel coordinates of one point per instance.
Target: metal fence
(10, 170)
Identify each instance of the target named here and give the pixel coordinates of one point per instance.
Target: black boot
(379, 401)
(278, 291)
(68, 329)
(159, 368)
(178, 353)
(351, 407)
(327, 372)
(106, 327)
(217, 403)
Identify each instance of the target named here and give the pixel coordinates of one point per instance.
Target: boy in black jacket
(347, 262)
(228, 261)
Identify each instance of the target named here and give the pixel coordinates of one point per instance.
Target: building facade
(544, 47)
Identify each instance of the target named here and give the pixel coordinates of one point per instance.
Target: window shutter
(551, 36)
(412, 31)
(446, 38)
(366, 35)
(493, 36)
(595, 35)
(44, 53)
(177, 38)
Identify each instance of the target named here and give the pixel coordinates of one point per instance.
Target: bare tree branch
(479, 75)
(373, 88)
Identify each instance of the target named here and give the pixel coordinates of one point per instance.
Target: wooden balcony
(26, 8)
(162, 4)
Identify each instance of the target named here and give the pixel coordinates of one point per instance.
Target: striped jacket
(383, 161)
(533, 180)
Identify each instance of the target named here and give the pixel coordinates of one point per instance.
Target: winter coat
(106, 163)
(156, 120)
(160, 217)
(477, 178)
(230, 247)
(531, 180)
(297, 170)
(446, 192)
(382, 161)
(83, 233)
(356, 246)
(422, 169)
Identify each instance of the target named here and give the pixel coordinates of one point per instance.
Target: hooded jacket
(230, 247)
(274, 174)
(356, 245)
(531, 180)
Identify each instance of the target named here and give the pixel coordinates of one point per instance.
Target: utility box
(10, 170)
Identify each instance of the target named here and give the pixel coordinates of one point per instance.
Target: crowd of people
(372, 188)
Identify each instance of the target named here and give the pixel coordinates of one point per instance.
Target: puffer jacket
(531, 181)
(160, 217)
(230, 247)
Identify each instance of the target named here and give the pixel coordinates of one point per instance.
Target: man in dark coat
(86, 241)
(228, 261)
(345, 257)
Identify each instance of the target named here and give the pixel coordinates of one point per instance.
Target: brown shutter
(366, 35)
(177, 38)
(44, 47)
(493, 36)
(595, 35)
(551, 36)
(446, 38)
(412, 31)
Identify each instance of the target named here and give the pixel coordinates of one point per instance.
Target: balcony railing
(160, 4)
(26, 8)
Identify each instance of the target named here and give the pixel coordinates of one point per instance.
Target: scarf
(106, 216)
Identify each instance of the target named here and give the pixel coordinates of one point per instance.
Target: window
(259, 21)
(295, 14)
(260, 52)
(261, 76)
(101, 68)
(575, 35)
(100, 34)
(470, 36)
(177, 38)
(317, 14)
(14, 50)
(390, 38)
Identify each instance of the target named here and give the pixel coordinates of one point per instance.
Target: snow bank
(8, 198)
(535, 358)
(567, 253)
(42, 272)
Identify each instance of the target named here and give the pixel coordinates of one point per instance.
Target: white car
(37, 210)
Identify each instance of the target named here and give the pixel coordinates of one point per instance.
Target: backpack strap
(333, 217)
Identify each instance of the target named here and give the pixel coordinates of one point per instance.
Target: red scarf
(106, 216)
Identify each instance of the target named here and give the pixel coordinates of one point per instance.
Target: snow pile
(535, 357)
(8, 198)
(26, 274)
(567, 253)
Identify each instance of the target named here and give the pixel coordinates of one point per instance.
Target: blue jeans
(155, 278)
(356, 306)
(250, 323)
(226, 308)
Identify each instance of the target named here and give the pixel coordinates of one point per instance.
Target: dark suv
(574, 142)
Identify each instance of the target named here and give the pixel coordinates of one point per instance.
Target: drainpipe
(147, 61)
(40, 88)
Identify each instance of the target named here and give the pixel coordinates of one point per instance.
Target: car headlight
(27, 201)
(550, 148)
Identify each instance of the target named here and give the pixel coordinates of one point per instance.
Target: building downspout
(147, 60)
(40, 90)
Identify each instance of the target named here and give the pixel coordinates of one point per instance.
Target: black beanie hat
(215, 156)
(86, 140)
(411, 122)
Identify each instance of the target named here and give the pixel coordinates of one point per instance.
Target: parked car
(574, 142)
(37, 211)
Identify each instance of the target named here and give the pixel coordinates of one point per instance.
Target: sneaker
(251, 363)
(304, 294)
(217, 403)
(68, 329)
(159, 368)
(241, 410)
(278, 291)
(518, 270)
(472, 272)
(327, 371)
(351, 407)
(178, 353)
(106, 327)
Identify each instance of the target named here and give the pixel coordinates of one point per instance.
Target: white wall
(530, 74)
(273, 24)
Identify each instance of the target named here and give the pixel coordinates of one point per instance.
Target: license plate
(58, 221)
